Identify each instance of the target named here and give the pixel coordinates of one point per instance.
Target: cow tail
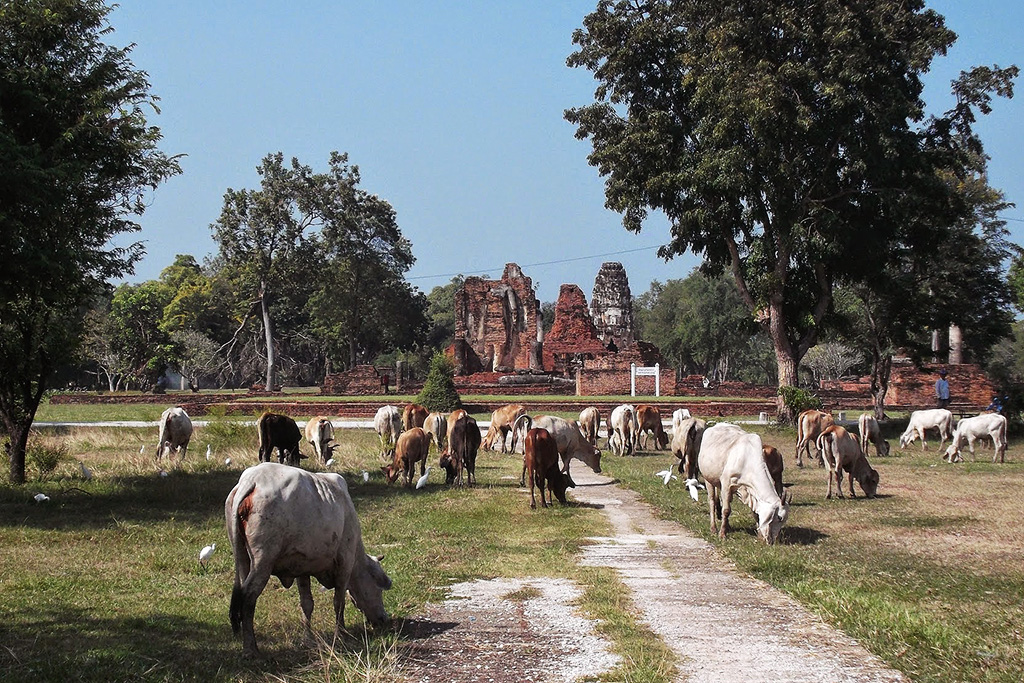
(242, 503)
(527, 423)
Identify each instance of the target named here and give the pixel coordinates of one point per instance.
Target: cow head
(449, 468)
(558, 482)
(366, 586)
(771, 516)
(869, 482)
(662, 439)
(885, 448)
(391, 473)
(952, 453)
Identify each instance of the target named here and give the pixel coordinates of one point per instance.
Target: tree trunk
(16, 451)
(268, 334)
(785, 359)
(881, 370)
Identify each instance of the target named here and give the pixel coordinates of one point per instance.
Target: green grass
(102, 582)
(929, 575)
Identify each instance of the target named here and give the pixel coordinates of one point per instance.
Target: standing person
(942, 390)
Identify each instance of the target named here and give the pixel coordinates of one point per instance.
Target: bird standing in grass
(422, 481)
(206, 553)
(209, 451)
(666, 476)
(693, 485)
(366, 476)
(227, 461)
(86, 472)
(142, 449)
(41, 497)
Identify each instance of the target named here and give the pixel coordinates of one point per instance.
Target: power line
(535, 265)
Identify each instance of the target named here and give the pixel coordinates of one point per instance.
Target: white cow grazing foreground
(175, 432)
(731, 461)
(285, 522)
(620, 430)
(320, 434)
(984, 426)
(870, 432)
(388, 425)
(921, 420)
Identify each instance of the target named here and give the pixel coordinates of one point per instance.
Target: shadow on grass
(421, 629)
(799, 535)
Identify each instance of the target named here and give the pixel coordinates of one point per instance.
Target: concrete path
(723, 626)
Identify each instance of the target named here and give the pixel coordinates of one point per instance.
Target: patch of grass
(929, 575)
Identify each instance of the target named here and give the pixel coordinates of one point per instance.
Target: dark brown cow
(648, 419)
(773, 459)
(414, 415)
(280, 432)
(463, 444)
(541, 463)
(412, 447)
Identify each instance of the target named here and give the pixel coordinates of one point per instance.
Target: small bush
(439, 393)
(43, 459)
(798, 400)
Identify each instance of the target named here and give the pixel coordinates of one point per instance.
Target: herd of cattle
(286, 522)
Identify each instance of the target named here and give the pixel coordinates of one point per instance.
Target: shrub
(439, 393)
(44, 459)
(798, 400)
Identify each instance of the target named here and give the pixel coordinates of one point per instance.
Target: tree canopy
(785, 142)
(77, 157)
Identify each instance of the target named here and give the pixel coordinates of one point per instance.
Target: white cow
(732, 461)
(920, 420)
(388, 425)
(567, 436)
(590, 424)
(620, 430)
(285, 522)
(984, 426)
(437, 424)
(870, 432)
(175, 432)
(320, 434)
(678, 416)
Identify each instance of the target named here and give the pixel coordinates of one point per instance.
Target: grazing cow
(413, 416)
(773, 459)
(869, 430)
(293, 524)
(648, 420)
(567, 436)
(502, 420)
(809, 426)
(463, 444)
(413, 447)
(437, 425)
(175, 432)
(388, 425)
(986, 425)
(620, 430)
(280, 432)
(590, 424)
(320, 434)
(686, 438)
(921, 420)
(677, 418)
(842, 452)
(732, 460)
(541, 462)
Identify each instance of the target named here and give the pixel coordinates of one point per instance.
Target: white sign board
(635, 372)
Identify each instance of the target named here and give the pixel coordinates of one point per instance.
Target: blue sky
(453, 113)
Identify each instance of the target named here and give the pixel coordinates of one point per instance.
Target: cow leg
(522, 477)
(852, 494)
(249, 592)
(305, 602)
(340, 590)
(726, 498)
(712, 505)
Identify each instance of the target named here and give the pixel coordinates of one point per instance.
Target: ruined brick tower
(611, 306)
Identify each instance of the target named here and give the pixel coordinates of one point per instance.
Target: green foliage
(439, 392)
(798, 400)
(76, 160)
(43, 459)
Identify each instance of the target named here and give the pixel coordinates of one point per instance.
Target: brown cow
(280, 432)
(842, 452)
(413, 416)
(412, 447)
(773, 459)
(463, 444)
(648, 420)
(809, 427)
(541, 462)
(501, 424)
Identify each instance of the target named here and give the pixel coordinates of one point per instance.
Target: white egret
(206, 553)
(366, 476)
(163, 473)
(209, 451)
(86, 472)
(41, 497)
(666, 476)
(422, 481)
(693, 485)
(329, 462)
(142, 449)
(227, 461)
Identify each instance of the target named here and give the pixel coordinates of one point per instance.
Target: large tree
(782, 140)
(76, 158)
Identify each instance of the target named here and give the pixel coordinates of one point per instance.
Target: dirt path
(722, 626)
